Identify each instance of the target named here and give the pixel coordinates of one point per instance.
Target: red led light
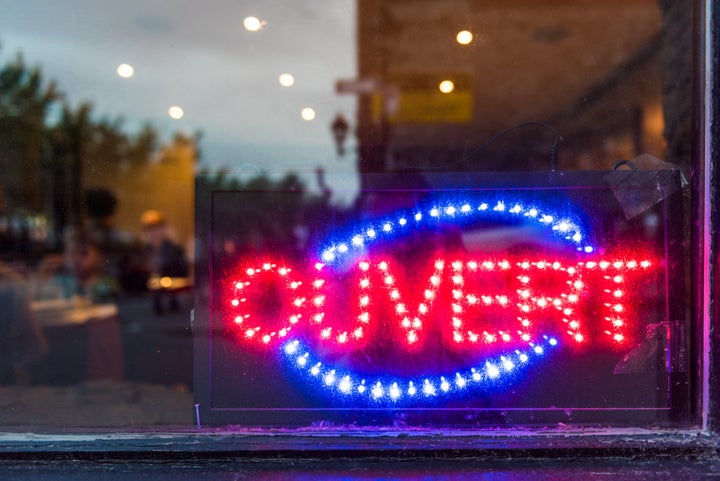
(471, 303)
(252, 307)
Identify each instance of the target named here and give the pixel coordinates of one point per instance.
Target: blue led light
(337, 381)
(354, 240)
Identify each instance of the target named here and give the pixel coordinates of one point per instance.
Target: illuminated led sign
(524, 299)
(502, 313)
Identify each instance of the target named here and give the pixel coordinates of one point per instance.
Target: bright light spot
(345, 385)
(165, 282)
(125, 70)
(291, 348)
(523, 357)
(378, 391)
(446, 86)
(411, 389)
(307, 114)
(508, 365)
(394, 391)
(552, 342)
(444, 385)
(176, 112)
(464, 37)
(492, 371)
(286, 80)
(253, 24)
(428, 388)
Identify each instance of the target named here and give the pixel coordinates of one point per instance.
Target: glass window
(460, 214)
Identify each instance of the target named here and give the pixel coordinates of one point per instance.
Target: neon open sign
(491, 314)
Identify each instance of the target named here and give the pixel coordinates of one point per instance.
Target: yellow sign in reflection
(425, 98)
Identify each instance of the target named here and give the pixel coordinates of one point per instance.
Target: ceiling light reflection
(253, 24)
(125, 70)
(464, 37)
(307, 113)
(446, 86)
(176, 112)
(286, 80)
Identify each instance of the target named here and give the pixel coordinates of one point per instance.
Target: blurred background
(109, 111)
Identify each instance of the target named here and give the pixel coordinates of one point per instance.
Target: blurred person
(77, 272)
(123, 251)
(76, 301)
(166, 258)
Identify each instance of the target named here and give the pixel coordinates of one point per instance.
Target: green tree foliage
(50, 148)
(25, 100)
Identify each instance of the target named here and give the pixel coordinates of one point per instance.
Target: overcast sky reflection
(201, 58)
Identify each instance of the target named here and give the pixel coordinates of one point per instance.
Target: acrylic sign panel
(437, 300)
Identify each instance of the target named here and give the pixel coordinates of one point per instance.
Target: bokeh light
(446, 86)
(253, 24)
(125, 70)
(464, 37)
(307, 113)
(176, 112)
(286, 80)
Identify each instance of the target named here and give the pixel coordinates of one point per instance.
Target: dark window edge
(210, 444)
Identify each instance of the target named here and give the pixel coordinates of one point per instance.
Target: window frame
(702, 441)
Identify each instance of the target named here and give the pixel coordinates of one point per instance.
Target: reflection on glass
(464, 37)
(176, 112)
(400, 90)
(286, 80)
(307, 113)
(125, 70)
(253, 24)
(446, 86)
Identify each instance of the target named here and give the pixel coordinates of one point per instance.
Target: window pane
(428, 213)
